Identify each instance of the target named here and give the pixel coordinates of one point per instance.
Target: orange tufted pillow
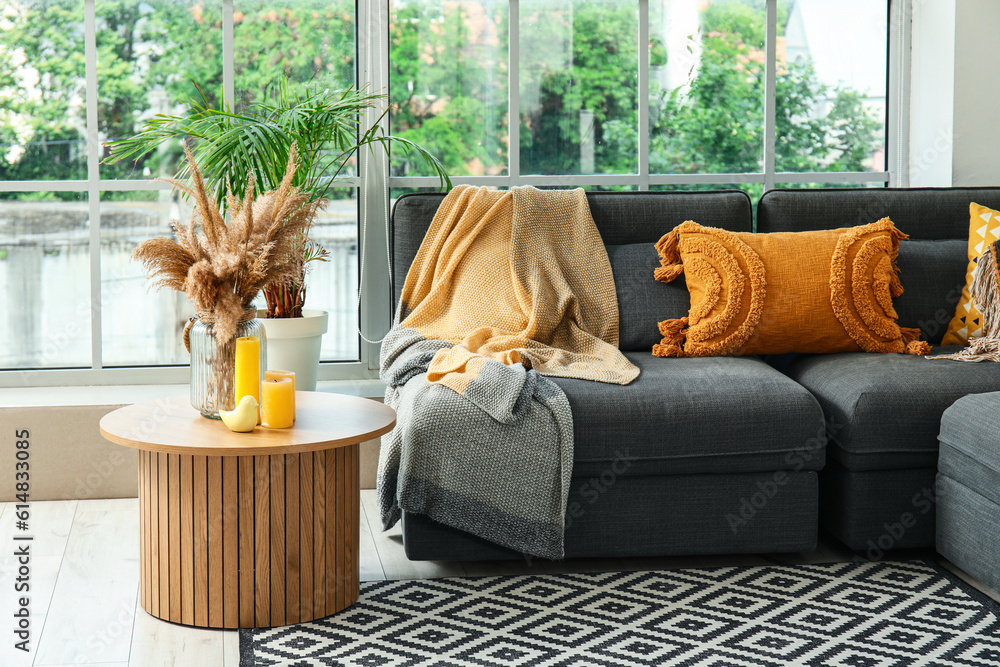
(822, 291)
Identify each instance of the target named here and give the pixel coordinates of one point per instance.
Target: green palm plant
(231, 146)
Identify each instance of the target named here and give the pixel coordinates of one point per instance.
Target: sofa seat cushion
(701, 415)
(884, 410)
(970, 443)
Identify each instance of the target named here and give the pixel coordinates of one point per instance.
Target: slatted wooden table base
(263, 532)
(233, 567)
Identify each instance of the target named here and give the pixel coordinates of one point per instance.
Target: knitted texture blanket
(508, 287)
(985, 290)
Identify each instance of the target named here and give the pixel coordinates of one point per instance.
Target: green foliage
(231, 147)
(448, 85)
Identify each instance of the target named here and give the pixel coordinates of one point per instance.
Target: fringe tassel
(674, 333)
(670, 258)
(911, 341)
(985, 293)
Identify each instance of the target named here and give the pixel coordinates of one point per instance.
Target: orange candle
(275, 375)
(278, 402)
(247, 379)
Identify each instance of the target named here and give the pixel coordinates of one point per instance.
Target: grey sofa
(729, 454)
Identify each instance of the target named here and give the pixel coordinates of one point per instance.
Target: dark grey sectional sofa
(747, 454)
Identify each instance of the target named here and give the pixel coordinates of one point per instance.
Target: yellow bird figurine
(243, 418)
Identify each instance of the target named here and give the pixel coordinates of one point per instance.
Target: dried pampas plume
(222, 267)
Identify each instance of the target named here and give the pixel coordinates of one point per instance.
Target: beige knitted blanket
(507, 288)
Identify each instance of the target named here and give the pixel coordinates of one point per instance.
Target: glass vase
(213, 366)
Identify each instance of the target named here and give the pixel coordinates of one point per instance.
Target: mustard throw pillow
(822, 291)
(984, 229)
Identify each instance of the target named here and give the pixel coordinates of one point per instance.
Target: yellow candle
(278, 402)
(247, 380)
(275, 375)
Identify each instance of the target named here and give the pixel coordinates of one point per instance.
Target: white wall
(976, 157)
(954, 93)
(932, 73)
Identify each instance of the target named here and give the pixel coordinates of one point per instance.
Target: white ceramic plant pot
(293, 344)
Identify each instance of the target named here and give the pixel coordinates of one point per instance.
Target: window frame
(374, 184)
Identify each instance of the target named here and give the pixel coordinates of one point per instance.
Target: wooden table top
(323, 421)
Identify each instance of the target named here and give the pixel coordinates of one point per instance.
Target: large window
(75, 74)
(604, 94)
(712, 99)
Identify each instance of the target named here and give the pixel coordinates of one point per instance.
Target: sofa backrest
(932, 262)
(630, 223)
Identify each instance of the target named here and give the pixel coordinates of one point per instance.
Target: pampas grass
(222, 267)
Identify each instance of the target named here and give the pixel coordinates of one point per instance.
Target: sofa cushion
(932, 274)
(884, 410)
(701, 415)
(822, 291)
(969, 451)
(643, 302)
(984, 229)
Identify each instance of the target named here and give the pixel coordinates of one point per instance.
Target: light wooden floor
(85, 579)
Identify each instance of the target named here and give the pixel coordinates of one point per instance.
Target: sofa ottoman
(968, 486)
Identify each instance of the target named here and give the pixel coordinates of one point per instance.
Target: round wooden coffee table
(242, 530)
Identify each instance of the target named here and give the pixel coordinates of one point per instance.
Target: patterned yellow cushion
(984, 229)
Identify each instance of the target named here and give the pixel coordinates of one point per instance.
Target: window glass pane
(45, 280)
(831, 86)
(706, 86)
(154, 57)
(448, 82)
(578, 86)
(299, 41)
(306, 44)
(42, 91)
(333, 285)
(139, 326)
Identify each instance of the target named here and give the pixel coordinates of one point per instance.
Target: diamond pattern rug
(883, 614)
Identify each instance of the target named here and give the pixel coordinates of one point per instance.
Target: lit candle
(278, 404)
(247, 380)
(276, 375)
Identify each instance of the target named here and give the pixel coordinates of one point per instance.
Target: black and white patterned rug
(883, 614)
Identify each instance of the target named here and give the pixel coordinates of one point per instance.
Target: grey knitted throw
(507, 289)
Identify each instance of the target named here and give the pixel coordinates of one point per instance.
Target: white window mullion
(514, 92)
(898, 103)
(643, 85)
(93, 181)
(228, 55)
(770, 79)
(375, 263)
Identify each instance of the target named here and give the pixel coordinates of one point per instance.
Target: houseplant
(233, 147)
(221, 266)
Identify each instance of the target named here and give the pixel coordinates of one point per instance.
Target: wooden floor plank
(96, 593)
(230, 648)
(389, 544)
(49, 523)
(44, 572)
(371, 566)
(156, 643)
